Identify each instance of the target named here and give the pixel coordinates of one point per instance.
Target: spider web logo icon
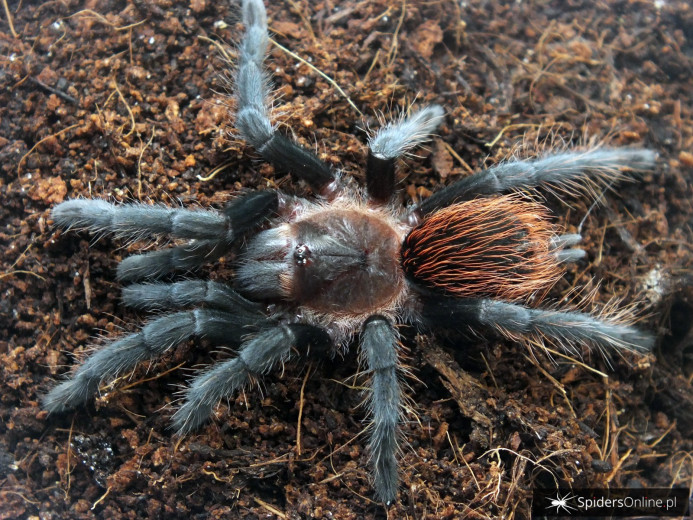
(562, 502)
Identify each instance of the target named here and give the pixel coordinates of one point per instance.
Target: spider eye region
(302, 255)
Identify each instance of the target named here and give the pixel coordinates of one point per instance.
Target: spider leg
(240, 215)
(253, 100)
(156, 264)
(163, 296)
(155, 338)
(564, 328)
(137, 221)
(379, 341)
(255, 357)
(567, 170)
(393, 141)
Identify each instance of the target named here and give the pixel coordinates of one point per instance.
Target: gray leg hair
(379, 341)
(136, 221)
(154, 340)
(255, 358)
(570, 170)
(188, 293)
(565, 328)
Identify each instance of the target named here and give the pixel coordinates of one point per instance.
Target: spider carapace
(333, 260)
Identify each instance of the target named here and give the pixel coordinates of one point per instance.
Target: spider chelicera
(317, 273)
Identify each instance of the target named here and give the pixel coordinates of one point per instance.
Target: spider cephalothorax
(339, 259)
(350, 263)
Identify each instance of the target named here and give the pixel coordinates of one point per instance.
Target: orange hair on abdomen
(490, 248)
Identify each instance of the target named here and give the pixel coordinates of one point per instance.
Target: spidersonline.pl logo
(653, 502)
(562, 503)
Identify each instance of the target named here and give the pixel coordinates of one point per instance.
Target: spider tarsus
(107, 362)
(254, 15)
(69, 394)
(393, 141)
(96, 215)
(205, 392)
(400, 137)
(637, 159)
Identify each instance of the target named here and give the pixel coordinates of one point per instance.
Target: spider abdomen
(498, 248)
(343, 261)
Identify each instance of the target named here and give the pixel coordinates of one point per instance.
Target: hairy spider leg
(152, 341)
(210, 233)
(379, 341)
(156, 264)
(565, 328)
(569, 170)
(393, 141)
(188, 293)
(252, 90)
(255, 358)
(138, 221)
(241, 214)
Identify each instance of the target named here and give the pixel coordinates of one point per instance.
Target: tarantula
(317, 273)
